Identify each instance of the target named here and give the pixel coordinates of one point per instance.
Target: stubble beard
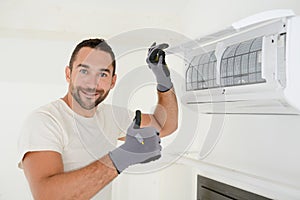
(88, 103)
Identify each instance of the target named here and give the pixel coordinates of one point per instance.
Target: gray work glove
(142, 145)
(156, 62)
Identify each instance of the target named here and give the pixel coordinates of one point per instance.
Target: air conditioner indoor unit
(253, 67)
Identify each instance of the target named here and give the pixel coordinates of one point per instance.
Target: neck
(73, 104)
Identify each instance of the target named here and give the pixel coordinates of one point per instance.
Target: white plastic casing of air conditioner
(278, 88)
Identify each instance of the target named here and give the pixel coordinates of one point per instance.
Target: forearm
(79, 184)
(166, 112)
(165, 116)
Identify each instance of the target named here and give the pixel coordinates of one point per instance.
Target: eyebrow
(87, 67)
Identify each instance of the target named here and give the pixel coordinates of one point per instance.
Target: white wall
(258, 153)
(32, 75)
(34, 53)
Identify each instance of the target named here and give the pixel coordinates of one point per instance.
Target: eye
(102, 74)
(83, 71)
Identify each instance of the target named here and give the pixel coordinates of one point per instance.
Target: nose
(92, 81)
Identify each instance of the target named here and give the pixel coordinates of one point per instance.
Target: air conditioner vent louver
(241, 63)
(201, 74)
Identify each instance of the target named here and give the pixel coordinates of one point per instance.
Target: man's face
(91, 77)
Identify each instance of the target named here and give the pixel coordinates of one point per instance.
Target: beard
(88, 103)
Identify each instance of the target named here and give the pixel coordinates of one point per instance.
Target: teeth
(89, 94)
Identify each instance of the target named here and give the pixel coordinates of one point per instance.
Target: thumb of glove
(135, 124)
(137, 119)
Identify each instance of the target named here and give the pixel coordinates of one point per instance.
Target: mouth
(89, 95)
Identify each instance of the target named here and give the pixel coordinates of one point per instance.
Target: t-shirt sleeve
(40, 132)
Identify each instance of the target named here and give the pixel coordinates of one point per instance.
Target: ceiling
(130, 21)
(107, 18)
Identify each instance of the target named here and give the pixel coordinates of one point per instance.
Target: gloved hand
(156, 62)
(142, 145)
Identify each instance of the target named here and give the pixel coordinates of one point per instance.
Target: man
(68, 146)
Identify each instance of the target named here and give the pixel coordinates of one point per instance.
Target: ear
(113, 82)
(68, 73)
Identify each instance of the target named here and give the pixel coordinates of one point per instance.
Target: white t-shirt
(79, 140)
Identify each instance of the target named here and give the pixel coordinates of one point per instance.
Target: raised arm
(165, 116)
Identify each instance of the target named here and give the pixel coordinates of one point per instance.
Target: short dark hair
(96, 43)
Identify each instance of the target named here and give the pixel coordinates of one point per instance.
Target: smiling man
(90, 76)
(68, 147)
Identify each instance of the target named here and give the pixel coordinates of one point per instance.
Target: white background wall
(36, 40)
